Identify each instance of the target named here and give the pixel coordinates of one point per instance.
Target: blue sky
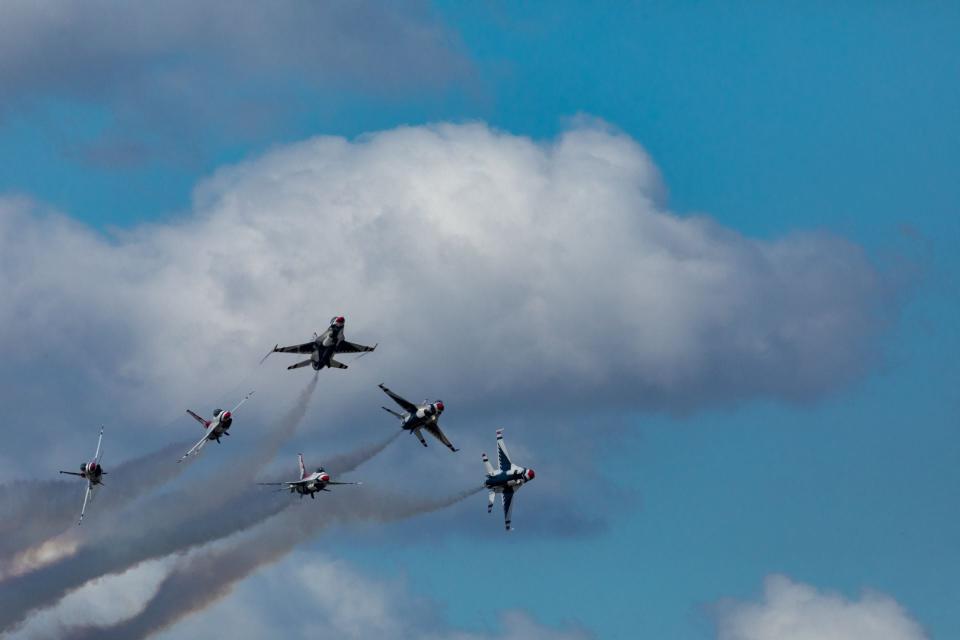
(768, 119)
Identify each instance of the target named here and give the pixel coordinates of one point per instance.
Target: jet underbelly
(323, 355)
(499, 481)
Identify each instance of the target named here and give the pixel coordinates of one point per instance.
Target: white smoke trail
(170, 523)
(38, 517)
(200, 580)
(346, 462)
(33, 513)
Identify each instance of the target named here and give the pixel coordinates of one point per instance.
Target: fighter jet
(93, 473)
(414, 418)
(507, 481)
(217, 427)
(323, 347)
(309, 483)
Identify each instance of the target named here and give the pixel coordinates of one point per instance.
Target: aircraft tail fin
(486, 463)
(300, 463)
(305, 363)
(337, 365)
(205, 423)
(490, 498)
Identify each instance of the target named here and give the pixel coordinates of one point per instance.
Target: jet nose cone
(324, 478)
(530, 474)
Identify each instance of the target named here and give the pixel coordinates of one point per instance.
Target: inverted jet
(506, 481)
(93, 473)
(323, 347)
(215, 428)
(309, 483)
(419, 417)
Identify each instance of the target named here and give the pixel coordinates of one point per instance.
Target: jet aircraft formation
(414, 418)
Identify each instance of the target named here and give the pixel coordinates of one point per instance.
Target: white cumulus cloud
(344, 602)
(794, 611)
(485, 264)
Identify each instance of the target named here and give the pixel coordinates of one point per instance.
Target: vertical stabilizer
(303, 472)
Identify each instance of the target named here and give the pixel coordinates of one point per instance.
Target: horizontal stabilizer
(306, 362)
(419, 437)
(391, 411)
(486, 463)
(337, 365)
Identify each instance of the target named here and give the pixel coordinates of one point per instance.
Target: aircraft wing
(352, 347)
(434, 429)
(299, 482)
(194, 449)
(507, 496)
(86, 497)
(331, 482)
(245, 398)
(504, 455)
(306, 347)
(96, 456)
(403, 402)
(72, 473)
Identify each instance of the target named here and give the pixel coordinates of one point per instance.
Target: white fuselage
(424, 415)
(218, 426)
(91, 471)
(326, 346)
(331, 337)
(503, 480)
(317, 481)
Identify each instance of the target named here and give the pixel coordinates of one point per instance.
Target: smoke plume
(346, 462)
(172, 522)
(201, 579)
(33, 512)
